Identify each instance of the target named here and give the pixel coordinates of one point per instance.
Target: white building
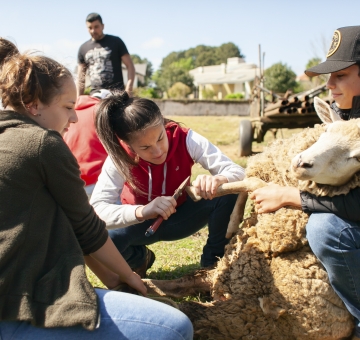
(235, 76)
(140, 72)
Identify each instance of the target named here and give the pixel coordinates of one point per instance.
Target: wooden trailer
(290, 112)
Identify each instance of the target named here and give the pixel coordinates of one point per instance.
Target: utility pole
(262, 95)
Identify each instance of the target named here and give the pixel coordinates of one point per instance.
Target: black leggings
(189, 218)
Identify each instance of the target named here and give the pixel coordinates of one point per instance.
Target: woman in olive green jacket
(47, 224)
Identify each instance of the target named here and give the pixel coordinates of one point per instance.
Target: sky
(291, 32)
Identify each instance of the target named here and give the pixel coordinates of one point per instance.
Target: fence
(171, 107)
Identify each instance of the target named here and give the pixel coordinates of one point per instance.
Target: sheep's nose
(302, 164)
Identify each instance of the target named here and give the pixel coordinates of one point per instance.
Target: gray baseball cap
(344, 51)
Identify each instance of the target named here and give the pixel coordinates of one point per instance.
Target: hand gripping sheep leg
(240, 187)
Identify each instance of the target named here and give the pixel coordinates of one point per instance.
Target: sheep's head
(335, 157)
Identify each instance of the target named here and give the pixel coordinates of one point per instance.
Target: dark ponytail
(117, 118)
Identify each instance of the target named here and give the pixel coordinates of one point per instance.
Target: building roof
(302, 77)
(139, 69)
(233, 72)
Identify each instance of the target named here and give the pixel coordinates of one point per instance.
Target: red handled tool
(151, 230)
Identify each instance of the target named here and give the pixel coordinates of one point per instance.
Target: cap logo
(335, 43)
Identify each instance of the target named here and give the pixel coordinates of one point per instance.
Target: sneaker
(149, 260)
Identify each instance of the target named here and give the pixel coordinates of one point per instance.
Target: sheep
(269, 284)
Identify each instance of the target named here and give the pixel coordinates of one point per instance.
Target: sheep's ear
(324, 111)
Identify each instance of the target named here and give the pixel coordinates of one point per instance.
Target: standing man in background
(102, 56)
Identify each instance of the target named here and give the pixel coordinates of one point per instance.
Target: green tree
(136, 59)
(179, 91)
(146, 92)
(176, 65)
(320, 78)
(177, 71)
(172, 57)
(184, 63)
(210, 55)
(202, 55)
(207, 58)
(208, 94)
(228, 50)
(280, 78)
(313, 62)
(149, 67)
(234, 96)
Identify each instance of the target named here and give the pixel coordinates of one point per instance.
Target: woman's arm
(106, 199)
(222, 168)
(274, 197)
(211, 158)
(344, 206)
(61, 176)
(109, 256)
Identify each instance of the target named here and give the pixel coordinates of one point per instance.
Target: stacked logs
(302, 103)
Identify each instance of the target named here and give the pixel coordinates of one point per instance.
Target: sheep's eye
(357, 158)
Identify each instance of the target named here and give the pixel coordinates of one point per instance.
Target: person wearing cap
(333, 229)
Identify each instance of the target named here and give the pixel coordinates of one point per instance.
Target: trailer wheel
(246, 137)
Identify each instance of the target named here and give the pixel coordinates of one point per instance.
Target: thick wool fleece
(269, 285)
(46, 226)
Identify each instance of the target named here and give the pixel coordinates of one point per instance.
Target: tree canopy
(175, 72)
(313, 62)
(179, 91)
(175, 66)
(280, 78)
(322, 78)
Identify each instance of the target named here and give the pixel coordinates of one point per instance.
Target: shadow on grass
(176, 273)
(180, 271)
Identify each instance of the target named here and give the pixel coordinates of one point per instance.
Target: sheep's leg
(237, 215)
(248, 184)
(189, 285)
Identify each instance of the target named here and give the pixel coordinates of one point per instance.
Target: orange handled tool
(151, 230)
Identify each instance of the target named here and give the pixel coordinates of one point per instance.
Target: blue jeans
(123, 316)
(336, 243)
(189, 218)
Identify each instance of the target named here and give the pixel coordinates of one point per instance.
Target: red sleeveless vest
(162, 179)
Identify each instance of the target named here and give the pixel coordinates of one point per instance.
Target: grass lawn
(174, 259)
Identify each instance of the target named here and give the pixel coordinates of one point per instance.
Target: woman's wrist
(138, 213)
(222, 178)
(291, 196)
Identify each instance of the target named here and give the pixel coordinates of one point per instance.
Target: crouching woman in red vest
(149, 157)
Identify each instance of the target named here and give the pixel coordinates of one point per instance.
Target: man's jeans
(122, 316)
(336, 243)
(188, 219)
